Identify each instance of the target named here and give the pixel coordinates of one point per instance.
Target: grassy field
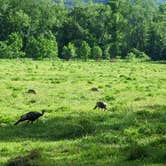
(132, 132)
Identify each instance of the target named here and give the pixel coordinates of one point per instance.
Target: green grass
(132, 132)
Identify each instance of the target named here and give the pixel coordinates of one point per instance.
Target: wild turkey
(101, 104)
(30, 117)
(94, 89)
(32, 91)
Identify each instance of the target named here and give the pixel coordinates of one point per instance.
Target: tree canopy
(47, 29)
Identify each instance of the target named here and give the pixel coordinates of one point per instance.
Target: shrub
(84, 50)
(3, 49)
(69, 51)
(44, 46)
(32, 48)
(48, 47)
(130, 56)
(96, 52)
(106, 54)
(11, 48)
(137, 55)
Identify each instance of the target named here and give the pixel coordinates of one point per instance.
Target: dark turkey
(30, 117)
(94, 89)
(32, 91)
(101, 104)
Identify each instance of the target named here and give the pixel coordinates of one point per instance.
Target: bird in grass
(32, 91)
(94, 89)
(30, 117)
(101, 104)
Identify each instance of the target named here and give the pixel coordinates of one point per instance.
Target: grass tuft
(27, 160)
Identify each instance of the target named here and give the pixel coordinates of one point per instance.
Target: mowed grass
(132, 132)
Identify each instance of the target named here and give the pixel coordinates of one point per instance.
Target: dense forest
(120, 28)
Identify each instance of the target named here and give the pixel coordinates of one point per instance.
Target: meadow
(131, 133)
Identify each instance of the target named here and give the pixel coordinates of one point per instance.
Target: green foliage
(84, 51)
(4, 51)
(130, 56)
(19, 21)
(44, 46)
(69, 51)
(11, 48)
(157, 35)
(32, 47)
(96, 52)
(106, 52)
(15, 41)
(135, 54)
(116, 27)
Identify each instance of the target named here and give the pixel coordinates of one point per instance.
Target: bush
(15, 45)
(69, 51)
(44, 46)
(137, 55)
(131, 56)
(15, 41)
(32, 48)
(96, 52)
(106, 53)
(3, 50)
(84, 51)
(11, 48)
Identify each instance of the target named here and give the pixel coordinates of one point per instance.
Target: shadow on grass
(157, 112)
(63, 127)
(155, 107)
(152, 152)
(51, 129)
(77, 126)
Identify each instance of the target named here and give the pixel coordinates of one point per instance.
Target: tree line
(44, 29)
